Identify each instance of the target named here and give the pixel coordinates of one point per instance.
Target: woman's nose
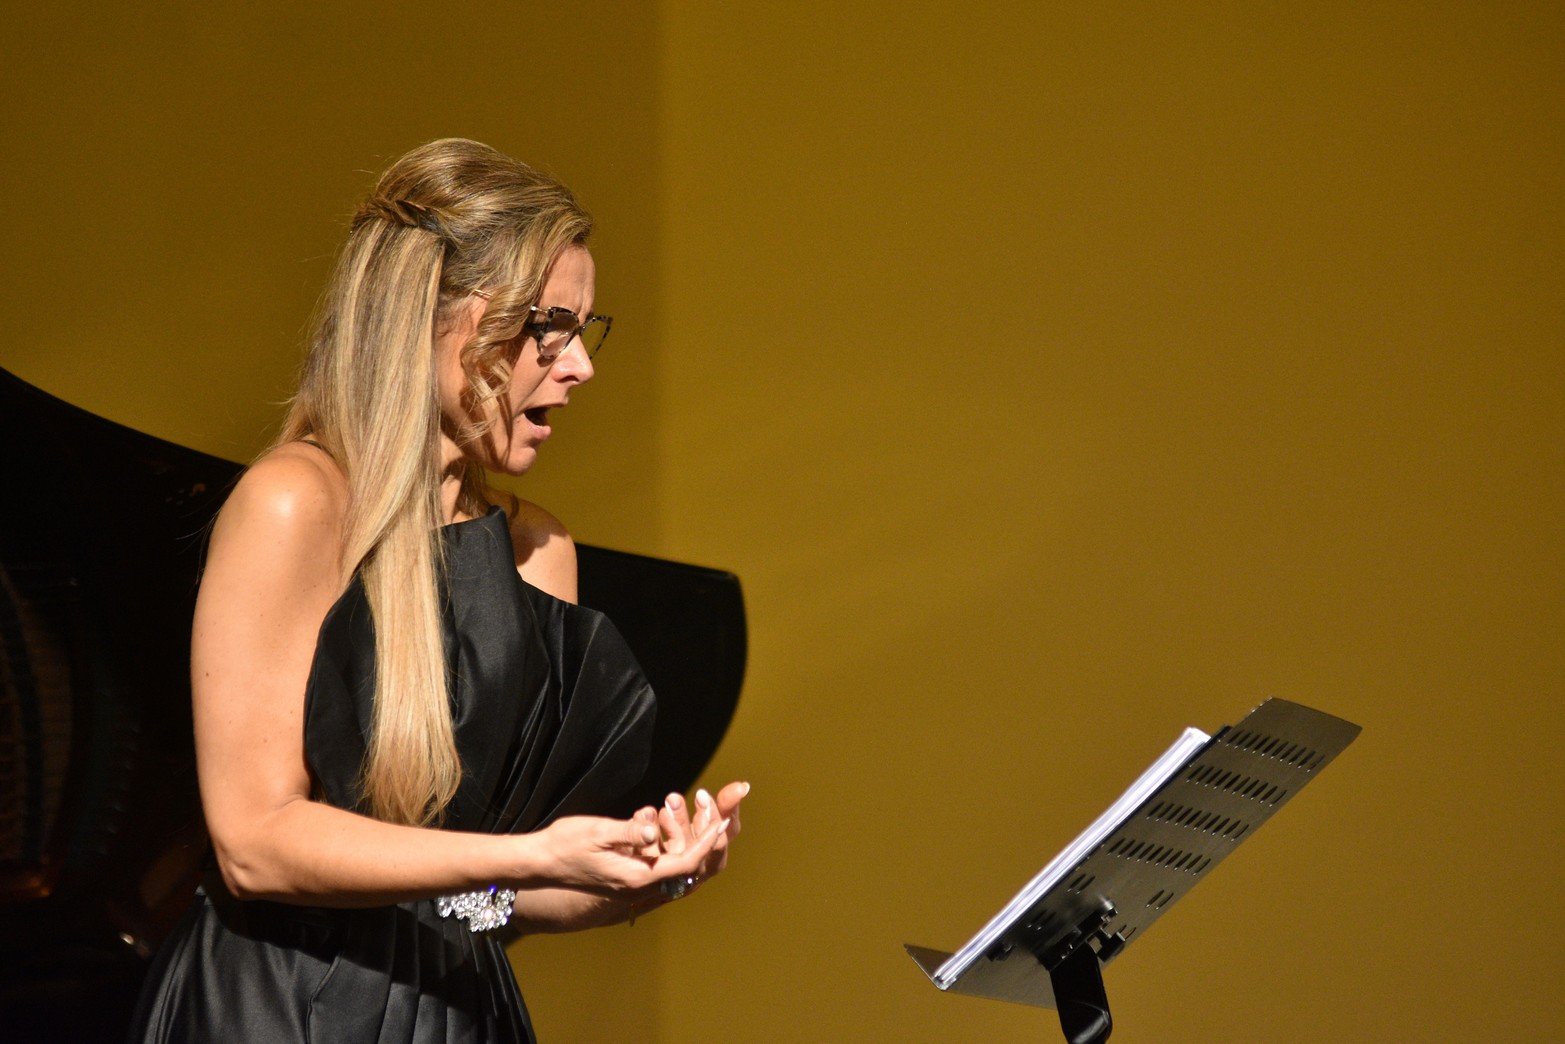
(573, 363)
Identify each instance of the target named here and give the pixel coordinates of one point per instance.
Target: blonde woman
(405, 727)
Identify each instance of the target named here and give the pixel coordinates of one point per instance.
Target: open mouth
(539, 415)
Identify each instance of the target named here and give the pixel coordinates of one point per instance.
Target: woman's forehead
(570, 283)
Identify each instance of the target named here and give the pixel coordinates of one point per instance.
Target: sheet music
(1161, 771)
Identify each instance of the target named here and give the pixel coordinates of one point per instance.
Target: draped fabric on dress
(553, 717)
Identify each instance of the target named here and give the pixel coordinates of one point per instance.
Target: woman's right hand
(618, 857)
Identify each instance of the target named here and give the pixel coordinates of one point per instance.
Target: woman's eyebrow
(569, 308)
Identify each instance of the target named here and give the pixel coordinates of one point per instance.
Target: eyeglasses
(556, 327)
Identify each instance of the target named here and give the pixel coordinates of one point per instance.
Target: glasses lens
(593, 333)
(554, 328)
(551, 343)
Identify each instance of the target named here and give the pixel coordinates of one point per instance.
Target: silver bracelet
(482, 910)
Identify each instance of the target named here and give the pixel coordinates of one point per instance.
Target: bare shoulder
(270, 577)
(286, 509)
(545, 552)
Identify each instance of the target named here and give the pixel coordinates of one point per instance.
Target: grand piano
(101, 839)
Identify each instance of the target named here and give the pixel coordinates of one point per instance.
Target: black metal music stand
(1050, 951)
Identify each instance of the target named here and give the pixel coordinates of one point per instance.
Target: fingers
(661, 863)
(674, 839)
(728, 807)
(691, 859)
(699, 854)
(642, 832)
(704, 810)
(675, 819)
(671, 843)
(729, 797)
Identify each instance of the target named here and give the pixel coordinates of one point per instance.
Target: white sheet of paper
(1159, 773)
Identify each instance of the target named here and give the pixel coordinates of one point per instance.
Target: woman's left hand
(569, 910)
(680, 831)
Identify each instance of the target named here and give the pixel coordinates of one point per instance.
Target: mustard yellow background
(1054, 377)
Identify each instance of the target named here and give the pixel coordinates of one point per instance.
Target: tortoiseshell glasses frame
(556, 327)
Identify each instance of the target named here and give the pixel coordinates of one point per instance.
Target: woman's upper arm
(545, 552)
(271, 575)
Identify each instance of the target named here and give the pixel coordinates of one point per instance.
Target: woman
(404, 725)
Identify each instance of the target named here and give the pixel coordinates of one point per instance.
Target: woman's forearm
(311, 853)
(540, 911)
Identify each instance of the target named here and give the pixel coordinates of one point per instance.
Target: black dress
(553, 717)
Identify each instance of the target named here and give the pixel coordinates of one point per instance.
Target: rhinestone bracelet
(482, 910)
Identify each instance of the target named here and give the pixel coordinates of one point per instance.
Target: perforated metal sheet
(1238, 781)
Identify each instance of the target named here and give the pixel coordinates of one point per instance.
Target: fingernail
(649, 835)
(745, 791)
(722, 828)
(703, 797)
(673, 802)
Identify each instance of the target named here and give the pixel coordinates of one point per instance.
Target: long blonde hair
(447, 218)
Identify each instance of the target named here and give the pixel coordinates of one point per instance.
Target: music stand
(1048, 946)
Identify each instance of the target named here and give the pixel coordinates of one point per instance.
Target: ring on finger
(677, 887)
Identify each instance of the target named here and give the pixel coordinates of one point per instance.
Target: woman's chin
(517, 458)
(520, 461)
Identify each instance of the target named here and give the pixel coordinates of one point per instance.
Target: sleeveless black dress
(553, 717)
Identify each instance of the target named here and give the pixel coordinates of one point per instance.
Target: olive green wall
(1053, 381)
